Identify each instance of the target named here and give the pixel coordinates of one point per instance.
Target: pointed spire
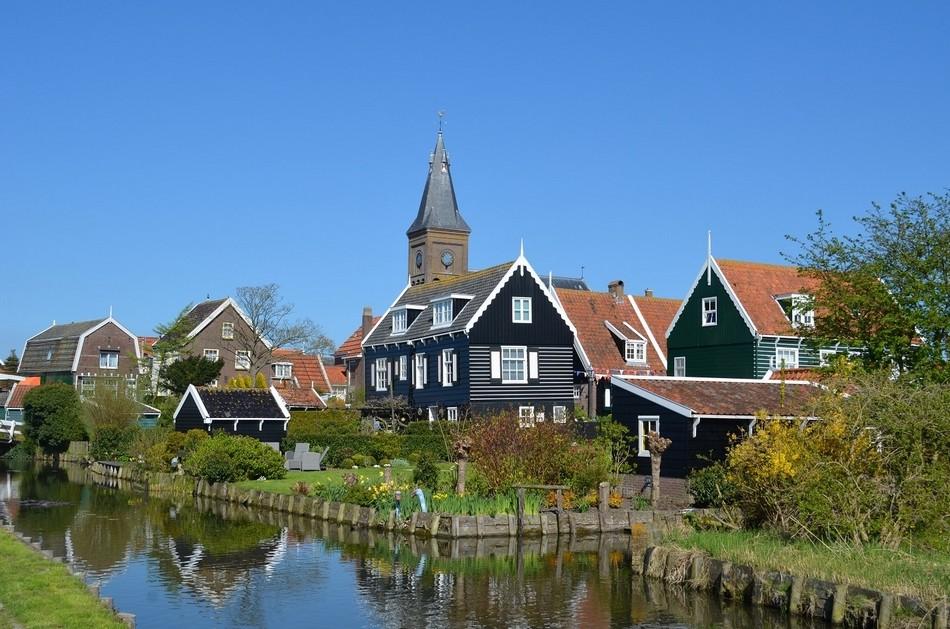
(709, 257)
(439, 209)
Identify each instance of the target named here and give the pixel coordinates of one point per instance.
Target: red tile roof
(588, 310)
(306, 371)
(146, 343)
(801, 373)
(721, 396)
(300, 397)
(336, 374)
(756, 284)
(353, 345)
(658, 313)
(20, 389)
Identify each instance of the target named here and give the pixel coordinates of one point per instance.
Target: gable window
(559, 414)
(108, 359)
(526, 416)
(514, 365)
(635, 351)
(710, 311)
(679, 367)
(421, 370)
(521, 309)
(645, 424)
(786, 358)
(242, 359)
(403, 367)
(382, 371)
(449, 367)
(399, 321)
(49, 354)
(442, 313)
(211, 354)
(227, 330)
(798, 308)
(452, 414)
(577, 391)
(283, 371)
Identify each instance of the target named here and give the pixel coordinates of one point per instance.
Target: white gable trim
(389, 310)
(634, 330)
(628, 386)
(27, 342)
(646, 326)
(109, 319)
(732, 295)
(522, 264)
(280, 402)
(217, 311)
(192, 392)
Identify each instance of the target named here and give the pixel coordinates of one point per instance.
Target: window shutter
(425, 370)
(533, 365)
(455, 367)
(411, 366)
(389, 371)
(496, 365)
(372, 374)
(440, 374)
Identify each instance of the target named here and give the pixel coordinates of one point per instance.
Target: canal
(195, 563)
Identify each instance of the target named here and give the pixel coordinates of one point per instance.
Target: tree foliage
(111, 419)
(11, 363)
(887, 287)
(197, 370)
(52, 417)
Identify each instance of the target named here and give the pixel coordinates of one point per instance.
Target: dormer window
(798, 308)
(400, 321)
(710, 311)
(635, 351)
(283, 371)
(442, 313)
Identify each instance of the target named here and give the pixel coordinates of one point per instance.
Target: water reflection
(205, 563)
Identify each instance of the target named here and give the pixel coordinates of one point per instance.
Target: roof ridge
(754, 263)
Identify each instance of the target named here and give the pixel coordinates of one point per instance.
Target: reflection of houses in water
(215, 577)
(9, 499)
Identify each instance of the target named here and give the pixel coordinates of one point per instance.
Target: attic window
(108, 359)
(283, 371)
(227, 330)
(442, 313)
(399, 321)
(635, 351)
(49, 354)
(710, 311)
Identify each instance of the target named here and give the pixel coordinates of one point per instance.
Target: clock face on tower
(419, 259)
(447, 258)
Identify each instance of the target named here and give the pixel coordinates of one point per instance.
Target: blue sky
(155, 153)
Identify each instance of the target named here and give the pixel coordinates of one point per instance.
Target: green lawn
(331, 476)
(36, 592)
(924, 574)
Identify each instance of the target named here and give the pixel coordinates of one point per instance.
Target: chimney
(648, 292)
(615, 288)
(367, 324)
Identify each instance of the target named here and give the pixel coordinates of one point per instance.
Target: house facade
(457, 341)
(349, 356)
(85, 354)
(258, 413)
(745, 320)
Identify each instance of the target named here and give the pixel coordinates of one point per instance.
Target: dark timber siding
(272, 430)
(433, 393)
(189, 417)
(553, 387)
(685, 452)
(725, 350)
(495, 326)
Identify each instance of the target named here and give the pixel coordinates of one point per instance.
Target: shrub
(709, 486)
(347, 463)
(427, 472)
(413, 459)
(51, 415)
(358, 459)
(112, 443)
(227, 458)
(301, 488)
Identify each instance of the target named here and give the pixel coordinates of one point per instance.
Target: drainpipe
(591, 394)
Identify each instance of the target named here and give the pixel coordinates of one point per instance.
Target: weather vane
(441, 115)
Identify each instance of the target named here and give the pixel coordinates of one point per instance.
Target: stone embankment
(837, 603)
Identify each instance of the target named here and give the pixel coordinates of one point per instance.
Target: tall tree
(197, 370)
(12, 362)
(271, 318)
(172, 342)
(886, 288)
(52, 417)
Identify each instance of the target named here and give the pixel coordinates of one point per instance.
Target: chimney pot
(648, 292)
(615, 288)
(367, 322)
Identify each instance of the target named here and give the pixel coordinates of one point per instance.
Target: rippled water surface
(197, 563)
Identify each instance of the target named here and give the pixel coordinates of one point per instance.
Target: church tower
(438, 238)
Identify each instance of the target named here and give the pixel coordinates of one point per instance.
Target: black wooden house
(258, 413)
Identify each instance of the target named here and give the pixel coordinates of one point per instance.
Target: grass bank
(36, 592)
(923, 574)
(335, 477)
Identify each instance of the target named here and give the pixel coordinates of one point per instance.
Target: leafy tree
(270, 318)
(111, 418)
(52, 417)
(172, 341)
(12, 362)
(196, 370)
(887, 288)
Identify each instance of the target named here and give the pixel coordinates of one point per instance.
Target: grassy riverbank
(334, 477)
(36, 592)
(918, 573)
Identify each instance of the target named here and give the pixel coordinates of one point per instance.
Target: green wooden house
(744, 320)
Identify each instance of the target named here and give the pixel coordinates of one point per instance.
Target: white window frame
(420, 367)
(511, 360)
(607, 397)
(448, 367)
(382, 373)
(442, 313)
(714, 311)
(798, 312)
(87, 386)
(635, 351)
(559, 414)
(213, 384)
(111, 359)
(793, 351)
(227, 330)
(679, 366)
(242, 365)
(403, 367)
(210, 354)
(577, 391)
(526, 416)
(452, 414)
(521, 310)
(643, 427)
(400, 321)
(283, 371)
(825, 356)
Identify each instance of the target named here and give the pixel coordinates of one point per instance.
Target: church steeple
(438, 238)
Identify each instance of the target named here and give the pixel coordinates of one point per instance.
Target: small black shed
(258, 413)
(700, 415)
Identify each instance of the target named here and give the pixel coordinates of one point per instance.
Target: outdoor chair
(313, 461)
(292, 460)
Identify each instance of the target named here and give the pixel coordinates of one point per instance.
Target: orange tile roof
(801, 373)
(306, 370)
(756, 284)
(20, 389)
(658, 313)
(300, 397)
(336, 374)
(353, 345)
(588, 310)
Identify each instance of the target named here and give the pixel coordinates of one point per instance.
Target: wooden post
(559, 498)
(387, 473)
(603, 495)
(521, 500)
